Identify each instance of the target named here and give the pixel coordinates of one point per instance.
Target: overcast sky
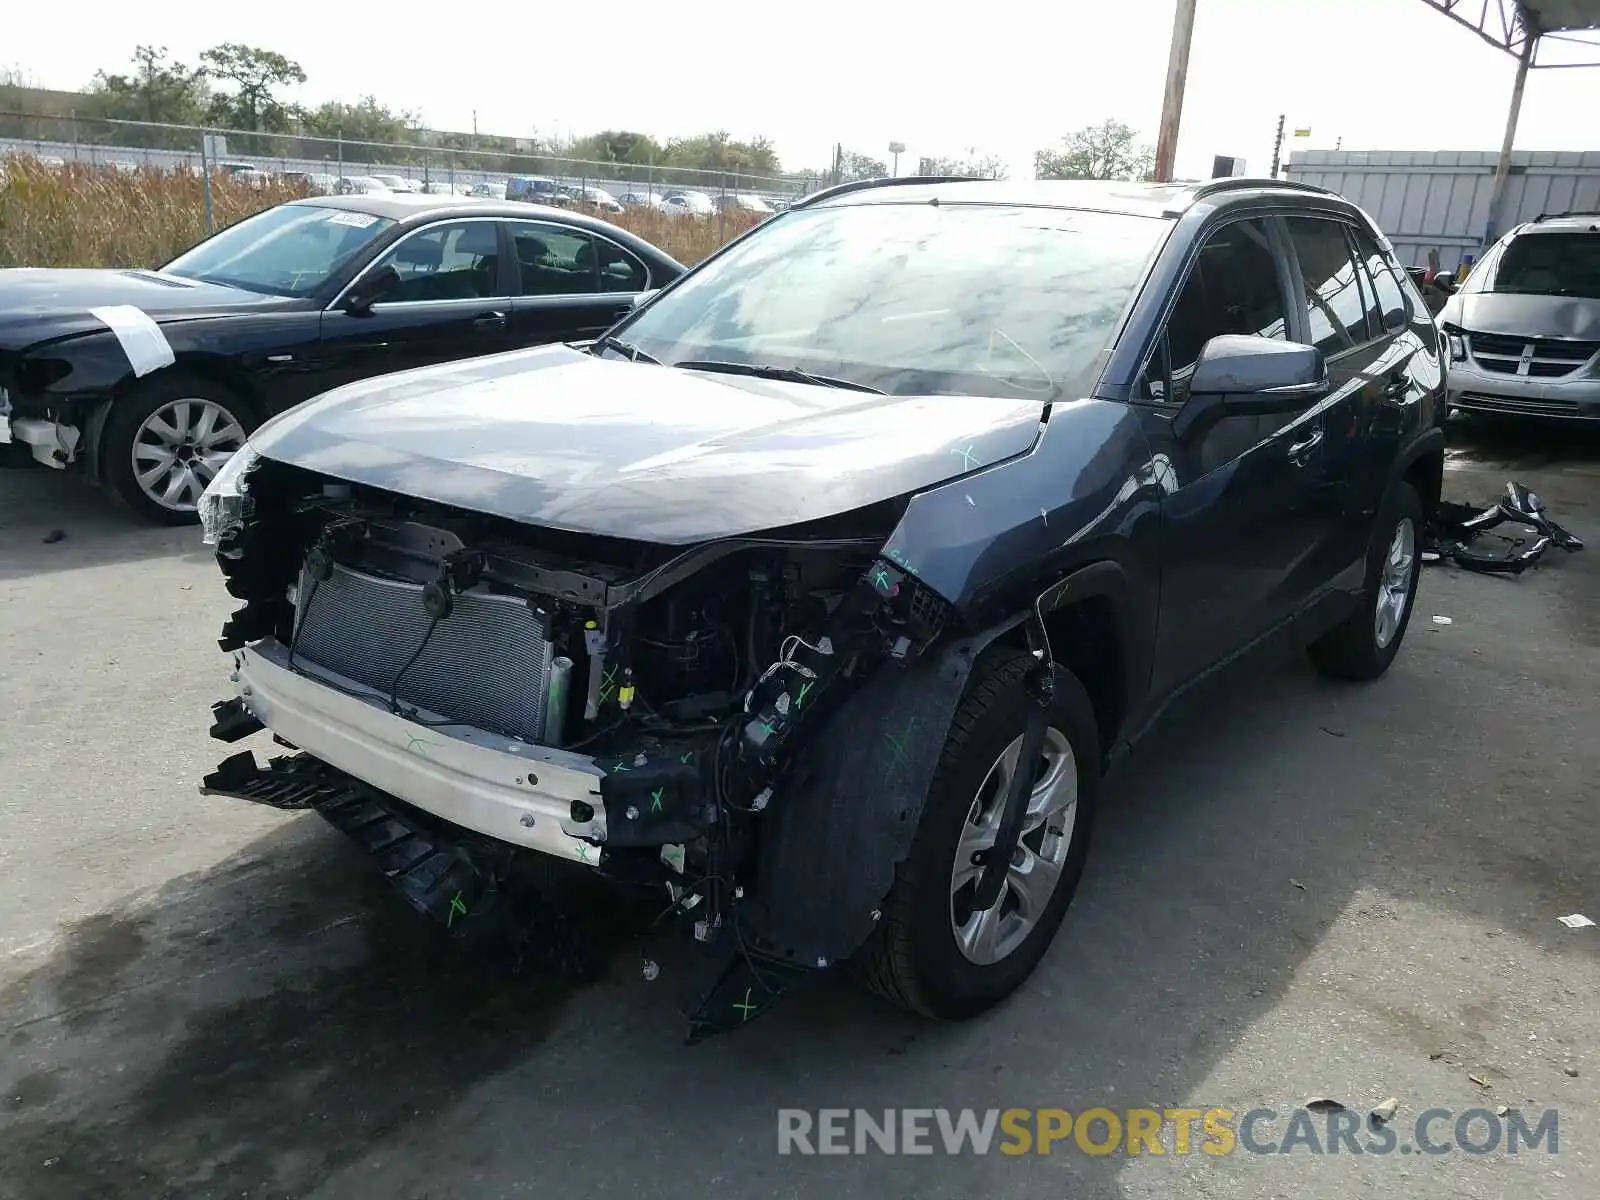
(1005, 76)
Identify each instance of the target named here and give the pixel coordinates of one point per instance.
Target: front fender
(848, 807)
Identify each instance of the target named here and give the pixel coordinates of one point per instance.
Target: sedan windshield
(913, 299)
(1545, 264)
(290, 250)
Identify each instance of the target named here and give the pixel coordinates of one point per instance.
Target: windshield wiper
(763, 371)
(627, 349)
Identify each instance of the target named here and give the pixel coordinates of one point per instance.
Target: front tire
(937, 957)
(165, 440)
(1362, 646)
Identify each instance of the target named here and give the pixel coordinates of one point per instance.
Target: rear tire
(916, 957)
(166, 437)
(1362, 646)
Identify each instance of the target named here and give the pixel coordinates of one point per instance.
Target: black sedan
(149, 380)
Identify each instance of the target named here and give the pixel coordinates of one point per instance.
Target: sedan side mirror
(1245, 375)
(369, 289)
(1445, 281)
(643, 297)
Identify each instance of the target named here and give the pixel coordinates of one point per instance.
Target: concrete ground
(1298, 890)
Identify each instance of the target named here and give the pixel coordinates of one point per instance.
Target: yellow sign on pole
(1306, 132)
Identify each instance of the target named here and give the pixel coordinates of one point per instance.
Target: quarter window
(1335, 307)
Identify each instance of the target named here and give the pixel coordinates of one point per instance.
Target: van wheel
(933, 953)
(167, 438)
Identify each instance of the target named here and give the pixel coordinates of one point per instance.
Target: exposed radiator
(487, 663)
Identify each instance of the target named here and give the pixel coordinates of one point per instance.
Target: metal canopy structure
(1539, 34)
(1564, 33)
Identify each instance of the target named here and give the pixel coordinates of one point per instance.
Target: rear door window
(1392, 310)
(1333, 301)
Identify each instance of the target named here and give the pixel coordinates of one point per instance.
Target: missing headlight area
(466, 691)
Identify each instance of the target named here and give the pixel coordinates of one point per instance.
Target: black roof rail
(1233, 183)
(1577, 212)
(862, 185)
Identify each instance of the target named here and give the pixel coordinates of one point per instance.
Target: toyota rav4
(819, 594)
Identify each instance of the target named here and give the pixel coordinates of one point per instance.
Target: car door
(573, 284)
(1366, 374)
(452, 300)
(1238, 504)
(1405, 375)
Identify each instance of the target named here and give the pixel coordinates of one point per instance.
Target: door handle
(1300, 452)
(490, 320)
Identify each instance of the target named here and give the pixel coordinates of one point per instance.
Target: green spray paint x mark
(881, 580)
(804, 688)
(655, 799)
(456, 907)
(897, 746)
(747, 1007)
(967, 458)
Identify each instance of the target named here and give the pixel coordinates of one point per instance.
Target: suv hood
(559, 438)
(1517, 314)
(38, 305)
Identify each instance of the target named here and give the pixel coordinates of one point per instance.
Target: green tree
(254, 75)
(852, 165)
(157, 90)
(1109, 150)
(974, 164)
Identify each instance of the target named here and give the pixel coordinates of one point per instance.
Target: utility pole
(1277, 147)
(1502, 169)
(1172, 102)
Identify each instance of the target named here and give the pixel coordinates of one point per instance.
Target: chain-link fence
(434, 162)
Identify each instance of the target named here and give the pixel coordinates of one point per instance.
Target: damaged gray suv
(819, 594)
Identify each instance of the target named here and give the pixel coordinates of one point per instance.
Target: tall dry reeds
(83, 216)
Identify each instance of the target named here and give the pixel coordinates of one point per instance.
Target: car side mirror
(1245, 375)
(369, 289)
(1445, 281)
(643, 297)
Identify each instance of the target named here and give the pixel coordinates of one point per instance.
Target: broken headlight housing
(224, 503)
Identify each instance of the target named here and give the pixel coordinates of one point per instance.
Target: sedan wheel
(180, 447)
(986, 936)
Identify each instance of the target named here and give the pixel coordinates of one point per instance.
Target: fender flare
(1427, 443)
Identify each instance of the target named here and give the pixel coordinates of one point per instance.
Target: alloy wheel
(180, 447)
(986, 936)
(1394, 582)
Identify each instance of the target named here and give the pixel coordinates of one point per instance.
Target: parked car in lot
(694, 204)
(149, 380)
(595, 199)
(316, 183)
(640, 200)
(362, 185)
(535, 189)
(743, 202)
(820, 591)
(398, 183)
(1524, 327)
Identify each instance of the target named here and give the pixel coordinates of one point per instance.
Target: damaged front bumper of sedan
(749, 724)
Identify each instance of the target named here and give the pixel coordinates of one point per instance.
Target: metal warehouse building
(1439, 199)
